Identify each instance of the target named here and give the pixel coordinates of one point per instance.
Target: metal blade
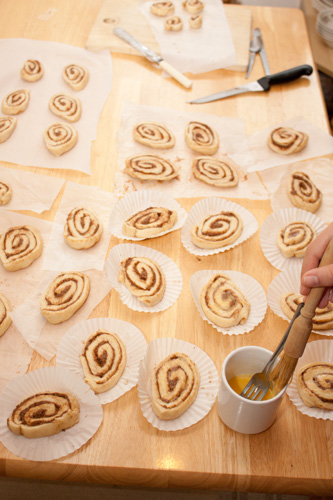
(262, 52)
(248, 87)
(139, 46)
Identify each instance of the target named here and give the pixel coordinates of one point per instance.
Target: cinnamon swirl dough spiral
(217, 230)
(303, 193)
(162, 8)
(294, 239)
(323, 318)
(82, 229)
(153, 134)
(144, 279)
(150, 168)
(76, 76)
(201, 138)
(174, 385)
(7, 127)
(16, 102)
(5, 193)
(20, 246)
(5, 319)
(64, 296)
(286, 141)
(103, 360)
(220, 173)
(44, 414)
(66, 106)
(60, 138)
(173, 23)
(195, 21)
(32, 70)
(223, 303)
(193, 6)
(150, 222)
(315, 385)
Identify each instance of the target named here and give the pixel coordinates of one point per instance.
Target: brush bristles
(282, 373)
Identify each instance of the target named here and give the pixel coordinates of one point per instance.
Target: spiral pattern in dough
(315, 385)
(153, 134)
(60, 138)
(162, 8)
(193, 6)
(7, 127)
(32, 70)
(294, 239)
(144, 279)
(150, 222)
(20, 246)
(16, 102)
(175, 383)
(323, 318)
(103, 360)
(201, 138)
(151, 168)
(286, 141)
(220, 173)
(66, 106)
(5, 319)
(217, 230)
(82, 229)
(303, 193)
(44, 414)
(76, 76)
(173, 23)
(223, 303)
(5, 193)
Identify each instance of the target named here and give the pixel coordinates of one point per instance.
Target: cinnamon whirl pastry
(5, 193)
(286, 141)
(294, 239)
(153, 134)
(7, 127)
(16, 102)
(173, 23)
(103, 360)
(201, 138)
(323, 318)
(76, 76)
(144, 279)
(66, 106)
(5, 319)
(60, 138)
(44, 414)
(174, 385)
(315, 385)
(220, 173)
(217, 230)
(193, 6)
(150, 168)
(32, 70)
(195, 22)
(303, 193)
(20, 246)
(64, 296)
(223, 303)
(150, 222)
(82, 229)
(162, 8)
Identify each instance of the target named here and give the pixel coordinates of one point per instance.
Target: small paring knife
(261, 85)
(153, 57)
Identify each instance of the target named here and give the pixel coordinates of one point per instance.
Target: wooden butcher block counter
(296, 454)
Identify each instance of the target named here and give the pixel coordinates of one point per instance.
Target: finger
(316, 249)
(321, 276)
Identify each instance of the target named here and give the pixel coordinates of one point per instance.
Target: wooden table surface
(296, 454)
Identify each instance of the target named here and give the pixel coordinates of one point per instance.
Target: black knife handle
(285, 76)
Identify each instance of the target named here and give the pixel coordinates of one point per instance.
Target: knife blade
(261, 85)
(152, 56)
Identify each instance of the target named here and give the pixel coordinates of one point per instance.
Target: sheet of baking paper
(320, 143)
(233, 144)
(30, 191)
(320, 172)
(195, 50)
(43, 336)
(59, 256)
(15, 355)
(26, 145)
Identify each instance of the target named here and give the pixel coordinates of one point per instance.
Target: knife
(261, 85)
(262, 53)
(153, 57)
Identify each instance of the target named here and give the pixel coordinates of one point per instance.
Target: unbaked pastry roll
(214, 171)
(82, 229)
(162, 8)
(315, 385)
(60, 138)
(16, 102)
(323, 318)
(173, 23)
(20, 246)
(193, 6)
(144, 279)
(153, 134)
(201, 138)
(5, 193)
(150, 222)
(303, 193)
(151, 168)
(103, 360)
(76, 76)
(294, 238)
(175, 384)
(5, 319)
(286, 141)
(32, 70)
(64, 296)
(217, 230)
(7, 127)
(195, 22)
(223, 303)
(66, 106)
(44, 414)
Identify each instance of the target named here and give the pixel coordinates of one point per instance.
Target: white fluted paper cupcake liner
(64, 443)
(71, 345)
(159, 349)
(250, 287)
(271, 228)
(321, 351)
(211, 206)
(173, 276)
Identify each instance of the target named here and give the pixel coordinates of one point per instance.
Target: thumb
(321, 276)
